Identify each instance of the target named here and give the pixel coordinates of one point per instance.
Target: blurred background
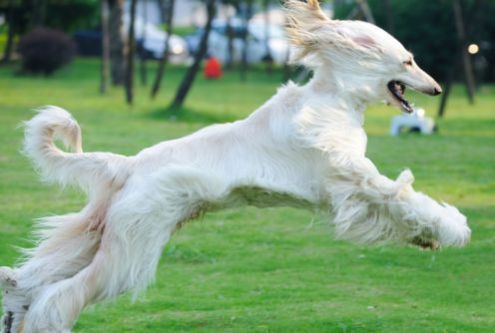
(134, 73)
(452, 39)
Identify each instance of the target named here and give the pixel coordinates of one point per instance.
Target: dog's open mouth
(397, 90)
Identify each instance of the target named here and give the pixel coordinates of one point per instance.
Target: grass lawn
(272, 270)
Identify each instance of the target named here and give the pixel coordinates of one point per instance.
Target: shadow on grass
(189, 115)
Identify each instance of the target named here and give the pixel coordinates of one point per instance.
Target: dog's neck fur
(322, 106)
(297, 129)
(345, 94)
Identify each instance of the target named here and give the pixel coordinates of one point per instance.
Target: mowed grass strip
(270, 270)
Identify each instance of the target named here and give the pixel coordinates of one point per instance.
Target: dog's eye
(408, 62)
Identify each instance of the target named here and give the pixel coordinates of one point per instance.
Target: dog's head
(359, 56)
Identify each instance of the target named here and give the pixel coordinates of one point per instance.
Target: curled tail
(88, 170)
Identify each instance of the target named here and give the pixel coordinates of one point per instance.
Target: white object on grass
(413, 121)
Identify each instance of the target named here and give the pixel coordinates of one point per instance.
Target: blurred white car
(257, 48)
(151, 40)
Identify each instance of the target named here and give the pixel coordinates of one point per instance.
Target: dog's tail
(88, 170)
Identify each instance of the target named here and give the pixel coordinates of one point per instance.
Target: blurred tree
(38, 13)
(131, 45)
(229, 31)
(169, 17)
(361, 11)
(67, 16)
(142, 55)
(64, 15)
(268, 58)
(463, 44)
(190, 75)
(105, 46)
(23, 15)
(389, 16)
(9, 45)
(116, 41)
(247, 13)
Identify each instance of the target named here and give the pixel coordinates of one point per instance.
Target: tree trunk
(230, 43)
(105, 46)
(446, 92)
(190, 75)
(466, 60)
(116, 41)
(164, 60)
(268, 54)
(475, 23)
(129, 75)
(9, 46)
(354, 14)
(245, 40)
(142, 55)
(365, 9)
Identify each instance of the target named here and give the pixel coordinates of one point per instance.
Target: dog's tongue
(398, 89)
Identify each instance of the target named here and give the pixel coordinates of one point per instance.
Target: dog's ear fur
(303, 21)
(356, 37)
(309, 29)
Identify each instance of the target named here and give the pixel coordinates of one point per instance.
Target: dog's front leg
(369, 207)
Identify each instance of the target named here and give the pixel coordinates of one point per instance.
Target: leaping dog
(305, 147)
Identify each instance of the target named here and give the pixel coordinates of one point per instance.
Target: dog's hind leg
(67, 246)
(126, 260)
(31, 278)
(137, 227)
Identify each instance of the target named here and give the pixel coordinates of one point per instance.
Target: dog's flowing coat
(305, 147)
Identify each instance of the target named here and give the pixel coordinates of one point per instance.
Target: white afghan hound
(305, 147)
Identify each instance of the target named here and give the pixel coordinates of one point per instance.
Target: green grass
(271, 270)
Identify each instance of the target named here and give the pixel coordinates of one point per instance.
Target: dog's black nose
(437, 91)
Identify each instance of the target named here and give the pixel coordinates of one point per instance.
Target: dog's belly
(263, 197)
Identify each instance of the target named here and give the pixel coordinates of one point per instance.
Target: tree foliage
(65, 15)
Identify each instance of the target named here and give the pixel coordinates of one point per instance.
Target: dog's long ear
(356, 37)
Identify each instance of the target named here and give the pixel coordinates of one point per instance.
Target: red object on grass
(213, 68)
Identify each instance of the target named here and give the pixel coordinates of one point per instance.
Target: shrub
(45, 50)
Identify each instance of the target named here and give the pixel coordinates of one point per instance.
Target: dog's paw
(453, 228)
(7, 277)
(426, 244)
(406, 177)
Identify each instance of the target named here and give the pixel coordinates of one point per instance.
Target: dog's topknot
(303, 20)
(316, 36)
(304, 14)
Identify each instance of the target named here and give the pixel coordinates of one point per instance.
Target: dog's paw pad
(7, 277)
